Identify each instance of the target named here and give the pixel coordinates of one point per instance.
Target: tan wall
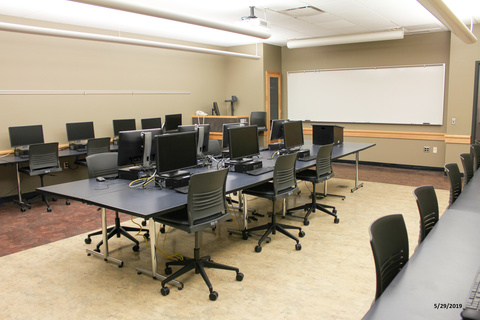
(416, 49)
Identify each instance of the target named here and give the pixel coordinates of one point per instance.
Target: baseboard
(392, 165)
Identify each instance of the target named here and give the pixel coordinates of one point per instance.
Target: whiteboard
(391, 95)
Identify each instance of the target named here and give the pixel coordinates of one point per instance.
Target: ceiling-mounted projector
(252, 20)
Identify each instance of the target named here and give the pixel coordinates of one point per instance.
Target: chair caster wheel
(213, 295)
(120, 265)
(334, 211)
(147, 235)
(67, 202)
(135, 248)
(88, 240)
(301, 234)
(245, 236)
(23, 209)
(306, 222)
(168, 270)
(165, 291)
(144, 223)
(239, 276)
(298, 246)
(162, 230)
(49, 209)
(258, 249)
(336, 220)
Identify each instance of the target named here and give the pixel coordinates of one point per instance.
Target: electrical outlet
(435, 150)
(65, 165)
(426, 149)
(454, 120)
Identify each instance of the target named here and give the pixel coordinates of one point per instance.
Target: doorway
(273, 89)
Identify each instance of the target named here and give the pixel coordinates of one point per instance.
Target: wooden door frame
(268, 75)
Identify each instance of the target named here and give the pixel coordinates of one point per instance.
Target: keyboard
(308, 158)
(471, 309)
(182, 189)
(259, 171)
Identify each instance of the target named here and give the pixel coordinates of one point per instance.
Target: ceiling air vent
(302, 11)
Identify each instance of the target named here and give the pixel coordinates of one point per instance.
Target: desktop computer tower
(327, 134)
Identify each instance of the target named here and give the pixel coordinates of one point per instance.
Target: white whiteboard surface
(392, 95)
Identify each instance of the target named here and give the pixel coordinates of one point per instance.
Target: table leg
(153, 242)
(19, 190)
(357, 186)
(105, 255)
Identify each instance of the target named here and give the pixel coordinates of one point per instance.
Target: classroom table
(151, 201)
(435, 282)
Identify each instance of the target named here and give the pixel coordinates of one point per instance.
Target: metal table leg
(153, 242)
(357, 186)
(105, 255)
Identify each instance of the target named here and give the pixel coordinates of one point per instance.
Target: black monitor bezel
(123, 125)
(151, 123)
(130, 146)
(175, 152)
(172, 121)
(194, 127)
(32, 133)
(225, 136)
(290, 130)
(243, 136)
(78, 131)
(276, 129)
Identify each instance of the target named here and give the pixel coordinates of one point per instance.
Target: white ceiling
(340, 17)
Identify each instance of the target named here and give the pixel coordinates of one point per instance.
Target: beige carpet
(332, 277)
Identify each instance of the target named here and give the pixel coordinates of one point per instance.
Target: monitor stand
(174, 174)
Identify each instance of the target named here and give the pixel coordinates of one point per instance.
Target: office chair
(94, 146)
(475, 151)
(467, 163)
(322, 173)
(455, 178)
(42, 160)
(104, 165)
(389, 242)
(428, 208)
(259, 118)
(206, 207)
(283, 185)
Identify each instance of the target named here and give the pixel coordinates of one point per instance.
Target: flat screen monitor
(172, 121)
(202, 139)
(25, 135)
(292, 134)
(276, 129)
(78, 131)
(151, 123)
(175, 152)
(135, 149)
(243, 142)
(123, 125)
(225, 136)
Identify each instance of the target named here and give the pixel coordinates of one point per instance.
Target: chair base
(311, 207)
(28, 204)
(198, 264)
(272, 228)
(117, 230)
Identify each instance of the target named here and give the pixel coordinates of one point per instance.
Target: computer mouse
(100, 179)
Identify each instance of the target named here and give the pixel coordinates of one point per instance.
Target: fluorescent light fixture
(350, 38)
(105, 38)
(133, 7)
(443, 13)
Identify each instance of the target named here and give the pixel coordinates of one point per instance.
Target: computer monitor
(292, 134)
(175, 152)
(78, 131)
(203, 135)
(276, 129)
(243, 142)
(137, 147)
(172, 121)
(225, 136)
(123, 125)
(215, 110)
(23, 136)
(151, 123)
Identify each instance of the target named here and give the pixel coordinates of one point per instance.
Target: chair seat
(265, 190)
(179, 219)
(311, 176)
(39, 171)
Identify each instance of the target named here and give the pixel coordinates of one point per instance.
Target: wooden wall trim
(459, 139)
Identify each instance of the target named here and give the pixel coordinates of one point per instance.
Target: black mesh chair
(389, 242)
(105, 165)
(94, 146)
(455, 178)
(284, 184)
(206, 207)
(475, 151)
(428, 208)
(42, 160)
(322, 173)
(467, 163)
(259, 118)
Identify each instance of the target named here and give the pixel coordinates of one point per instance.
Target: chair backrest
(206, 198)
(475, 151)
(284, 174)
(98, 145)
(43, 156)
(324, 162)
(389, 242)
(102, 164)
(455, 178)
(428, 208)
(258, 118)
(467, 163)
